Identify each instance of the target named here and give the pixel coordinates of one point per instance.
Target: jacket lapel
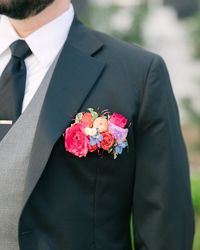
(74, 77)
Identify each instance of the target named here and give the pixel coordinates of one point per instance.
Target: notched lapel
(74, 78)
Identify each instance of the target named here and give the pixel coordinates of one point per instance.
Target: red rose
(93, 148)
(87, 119)
(76, 141)
(118, 120)
(108, 140)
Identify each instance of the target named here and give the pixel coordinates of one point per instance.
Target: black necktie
(12, 85)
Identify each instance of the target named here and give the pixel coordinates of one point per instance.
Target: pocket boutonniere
(91, 132)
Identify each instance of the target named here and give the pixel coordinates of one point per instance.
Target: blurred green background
(172, 29)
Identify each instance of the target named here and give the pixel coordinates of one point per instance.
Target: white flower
(90, 131)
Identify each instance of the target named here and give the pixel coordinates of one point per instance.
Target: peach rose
(101, 123)
(87, 119)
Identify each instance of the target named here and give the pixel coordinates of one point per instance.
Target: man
(53, 67)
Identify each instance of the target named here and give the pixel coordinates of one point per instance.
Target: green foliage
(101, 18)
(195, 185)
(196, 245)
(196, 34)
(194, 117)
(131, 231)
(135, 34)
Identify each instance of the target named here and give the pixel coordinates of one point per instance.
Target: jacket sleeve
(163, 215)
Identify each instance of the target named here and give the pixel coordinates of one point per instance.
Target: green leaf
(78, 117)
(94, 113)
(115, 155)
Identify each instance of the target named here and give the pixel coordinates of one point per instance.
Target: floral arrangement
(92, 132)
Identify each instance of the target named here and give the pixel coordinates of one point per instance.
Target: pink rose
(76, 141)
(118, 120)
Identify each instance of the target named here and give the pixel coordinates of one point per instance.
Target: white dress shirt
(45, 43)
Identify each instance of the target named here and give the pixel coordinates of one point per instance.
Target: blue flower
(119, 148)
(96, 139)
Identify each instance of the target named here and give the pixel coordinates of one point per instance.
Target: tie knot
(20, 49)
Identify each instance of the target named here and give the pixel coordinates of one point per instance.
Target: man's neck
(27, 26)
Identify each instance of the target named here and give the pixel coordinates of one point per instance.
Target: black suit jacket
(86, 203)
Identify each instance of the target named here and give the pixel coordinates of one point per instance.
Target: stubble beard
(22, 9)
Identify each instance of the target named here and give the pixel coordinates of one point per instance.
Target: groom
(52, 67)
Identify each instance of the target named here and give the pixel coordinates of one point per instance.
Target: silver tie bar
(6, 122)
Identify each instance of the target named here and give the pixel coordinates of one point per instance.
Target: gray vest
(15, 151)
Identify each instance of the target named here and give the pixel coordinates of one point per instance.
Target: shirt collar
(45, 42)
(7, 34)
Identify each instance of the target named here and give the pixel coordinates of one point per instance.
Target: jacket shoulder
(125, 50)
(134, 58)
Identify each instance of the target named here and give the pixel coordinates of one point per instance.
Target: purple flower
(120, 134)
